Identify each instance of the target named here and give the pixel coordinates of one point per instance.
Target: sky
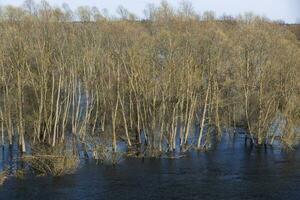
(286, 10)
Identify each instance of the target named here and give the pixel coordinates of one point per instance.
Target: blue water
(231, 171)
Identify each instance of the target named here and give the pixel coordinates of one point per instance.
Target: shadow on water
(230, 171)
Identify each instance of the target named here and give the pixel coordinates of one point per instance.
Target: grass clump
(3, 177)
(52, 161)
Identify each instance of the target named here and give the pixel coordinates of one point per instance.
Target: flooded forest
(82, 84)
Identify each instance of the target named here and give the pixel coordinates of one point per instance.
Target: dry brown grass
(50, 161)
(3, 177)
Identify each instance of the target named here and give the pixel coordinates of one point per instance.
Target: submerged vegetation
(85, 81)
(3, 177)
(47, 160)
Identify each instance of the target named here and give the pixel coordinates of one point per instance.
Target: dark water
(232, 171)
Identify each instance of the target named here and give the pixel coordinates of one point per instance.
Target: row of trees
(148, 80)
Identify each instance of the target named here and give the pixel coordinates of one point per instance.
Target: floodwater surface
(231, 171)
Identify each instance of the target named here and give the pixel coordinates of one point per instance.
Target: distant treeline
(146, 81)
